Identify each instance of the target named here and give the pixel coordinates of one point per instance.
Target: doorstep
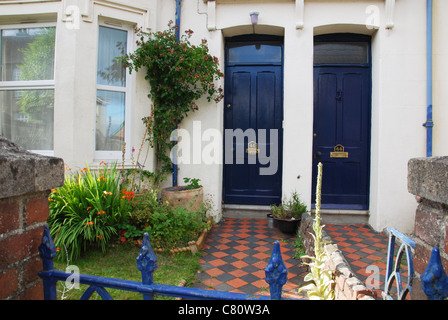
(243, 211)
(329, 216)
(342, 217)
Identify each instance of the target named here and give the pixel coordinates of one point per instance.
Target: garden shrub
(87, 210)
(167, 227)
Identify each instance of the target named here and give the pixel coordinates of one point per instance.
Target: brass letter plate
(252, 148)
(339, 152)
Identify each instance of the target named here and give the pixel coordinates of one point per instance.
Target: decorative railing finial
(434, 279)
(147, 261)
(47, 250)
(276, 272)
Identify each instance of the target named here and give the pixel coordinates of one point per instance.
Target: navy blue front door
(253, 114)
(342, 135)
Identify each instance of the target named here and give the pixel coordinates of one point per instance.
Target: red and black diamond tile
(366, 252)
(236, 253)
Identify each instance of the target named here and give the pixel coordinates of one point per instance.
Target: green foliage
(138, 180)
(179, 74)
(130, 231)
(299, 248)
(175, 227)
(279, 212)
(321, 286)
(192, 183)
(292, 207)
(167, 227)
(87, 209)
(119, 263)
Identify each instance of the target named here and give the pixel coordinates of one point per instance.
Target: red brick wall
(431, 230)
(428, 181)
(22, 221)
(25, 183)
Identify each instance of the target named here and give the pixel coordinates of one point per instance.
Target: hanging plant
(179, 73)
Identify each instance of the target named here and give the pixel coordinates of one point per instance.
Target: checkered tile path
(362, 247)
(236, 253)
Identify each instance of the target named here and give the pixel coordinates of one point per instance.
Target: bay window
(27, 86)
(113, 99)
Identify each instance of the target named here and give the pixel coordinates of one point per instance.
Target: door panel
(253, 101)
(342, 117)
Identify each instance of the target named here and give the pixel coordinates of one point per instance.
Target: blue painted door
(342, 135)
(253, 106)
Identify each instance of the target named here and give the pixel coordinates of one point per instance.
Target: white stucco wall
(398, 89)
(440, 77)
(398, 83)
(75, 70)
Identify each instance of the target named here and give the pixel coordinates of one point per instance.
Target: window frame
(116, 155)
(15, 85)
(345, 37)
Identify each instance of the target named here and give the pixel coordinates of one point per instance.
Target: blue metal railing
(276, 277)
(394, 268)
(434, 281)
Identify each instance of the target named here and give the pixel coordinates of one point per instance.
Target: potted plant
(288, 214)
(189, 196)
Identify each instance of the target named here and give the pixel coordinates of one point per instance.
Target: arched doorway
(253, 114)
(342, 119)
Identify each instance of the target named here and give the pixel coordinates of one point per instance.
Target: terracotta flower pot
(180, 196)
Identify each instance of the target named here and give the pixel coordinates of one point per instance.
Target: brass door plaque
(339, 152)
(252, 148)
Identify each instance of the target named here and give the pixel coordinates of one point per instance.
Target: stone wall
(428, 181)
(25, 183)
(347, 286)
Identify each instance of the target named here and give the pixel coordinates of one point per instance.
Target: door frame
(346, 37)
(254, 38)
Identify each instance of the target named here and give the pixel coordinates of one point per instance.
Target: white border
(117, 155)
(32, 84)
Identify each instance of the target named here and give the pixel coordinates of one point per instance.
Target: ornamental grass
(86, 211)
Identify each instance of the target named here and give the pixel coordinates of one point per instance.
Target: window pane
(112, 44)
(27, 54)
(341, 52)
(110, 107)
(253, 53)
(26, 118)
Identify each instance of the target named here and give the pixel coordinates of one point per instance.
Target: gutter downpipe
(177, 22)
(429, 124)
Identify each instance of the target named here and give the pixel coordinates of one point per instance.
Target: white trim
(28, 25)
(88, 14)
(127, 89)
(211, 15)
(48, 153)
(26, 1)
(107, 155)
(26, 85)
(390, 8)
(32, 84)
(111, 88)
(299, 13)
